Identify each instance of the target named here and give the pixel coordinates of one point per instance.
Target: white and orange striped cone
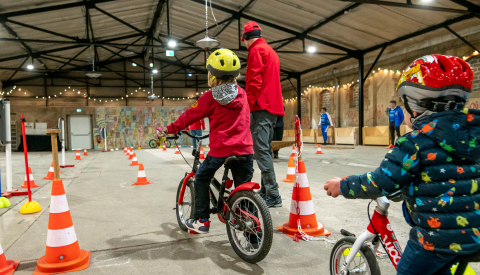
(78, 155)
(7, 267)
(50, 175)
(142, 178)
(63, 253)
(202, 155)
(319, 150)
(32, 182)
(293, 151)
(134, 160)
(128, 151)
(130, 155)
(164, 147)
(125, 149)
(308, 219)
(290, 171)
(85, 152)
(176, 151)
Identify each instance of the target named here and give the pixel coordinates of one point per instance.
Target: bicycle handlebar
(176, 136)
(396, 196)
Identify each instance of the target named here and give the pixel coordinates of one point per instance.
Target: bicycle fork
(364, 237)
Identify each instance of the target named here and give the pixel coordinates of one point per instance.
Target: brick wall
(475, 63)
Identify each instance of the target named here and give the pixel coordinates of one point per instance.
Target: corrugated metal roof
(360, 28)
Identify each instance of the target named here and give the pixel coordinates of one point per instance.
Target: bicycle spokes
(247, 225)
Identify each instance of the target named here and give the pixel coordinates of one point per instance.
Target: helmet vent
(217, 53)
(234, 63)
(222, 62)
(441, 65)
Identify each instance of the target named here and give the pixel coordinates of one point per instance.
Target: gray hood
(225, 93)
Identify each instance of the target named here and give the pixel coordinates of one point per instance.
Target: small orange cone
(293, 152)
(78, 155)
(7, 267)
(32, 182)
(164, 147)
(130, 155)
(176, 151)
(85, 152)
(50, 175)
(319, 150)
(63, 253)
(308, 219)
(125, 149)
(128, 151)
(134, 160)
(142, 178)
(202, 155)
(290, 171)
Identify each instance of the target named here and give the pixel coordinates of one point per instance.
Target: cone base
(9, 268)
(81, 263)
(134, 164)
(78, 159)
(318, 153)
(314, 232)
(177, 153)
(30, 208)
(48, 178)
(164, 149)
(85, 154)
(25, 185)
(66, 166)
(289, 180)
(142, 183)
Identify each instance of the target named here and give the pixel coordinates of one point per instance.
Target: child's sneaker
(199, 226)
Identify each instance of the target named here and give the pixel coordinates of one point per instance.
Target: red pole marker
(30, 206)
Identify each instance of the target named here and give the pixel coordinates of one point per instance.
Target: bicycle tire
(153, 143)
(179, 210)
(168, 144)
(267, 238)
(365, 252)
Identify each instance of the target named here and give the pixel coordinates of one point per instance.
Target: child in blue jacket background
(436, 166)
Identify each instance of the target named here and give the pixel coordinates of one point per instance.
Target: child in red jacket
(226, 107)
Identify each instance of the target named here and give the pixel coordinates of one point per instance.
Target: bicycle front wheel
(185, 210)
(153, 143)
(364, 263)
(253, 242)
(168, 144)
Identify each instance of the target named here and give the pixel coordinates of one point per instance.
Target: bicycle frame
(378, 227)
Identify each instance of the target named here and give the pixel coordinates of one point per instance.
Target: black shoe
(194, 152)
(274, 203)
(275, 157)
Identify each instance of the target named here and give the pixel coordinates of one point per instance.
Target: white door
(80, 132)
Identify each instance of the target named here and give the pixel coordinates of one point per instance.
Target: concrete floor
(133, 229)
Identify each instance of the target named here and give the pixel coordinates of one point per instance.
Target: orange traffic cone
(50, 175)
(130, 155)
(290, 171)
(32, 182)
(134, 160)
(176, 151)
(308, 220)
(78, 155)
(164, 147)
(7, 267)
(125, 149)
(319, 150)
(63, 253)
(293, 151)
(85, 152)
(128, 151)
(142, 178)
(202, 155)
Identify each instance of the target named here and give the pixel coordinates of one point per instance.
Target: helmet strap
(409, 110)
(212, 79)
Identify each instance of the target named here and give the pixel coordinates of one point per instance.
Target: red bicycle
(247, 218)
(352, 255)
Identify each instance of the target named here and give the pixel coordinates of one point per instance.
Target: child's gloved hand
(333, 187)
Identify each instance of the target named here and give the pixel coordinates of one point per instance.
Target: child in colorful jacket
(436, 166)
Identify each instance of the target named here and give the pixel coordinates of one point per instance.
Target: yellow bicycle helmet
(223, 62)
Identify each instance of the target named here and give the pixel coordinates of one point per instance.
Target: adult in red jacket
(266, 103)
(196, 130)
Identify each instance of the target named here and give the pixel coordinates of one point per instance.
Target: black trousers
(242, 173)
(277, 136)
(393, 129)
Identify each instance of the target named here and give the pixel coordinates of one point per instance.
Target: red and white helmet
(434, 80)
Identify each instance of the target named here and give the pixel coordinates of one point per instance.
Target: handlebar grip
(346, 233)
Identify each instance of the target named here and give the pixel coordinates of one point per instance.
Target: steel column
(299, 96)
(360, 98)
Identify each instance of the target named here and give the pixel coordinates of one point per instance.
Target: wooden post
(56, 167)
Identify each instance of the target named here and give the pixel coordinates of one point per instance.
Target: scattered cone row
(125, 149)
(202, 155)
(319, 150)
(176, 151)
(141, 178)
(85, 152)
(290, 171)
(32, 181)
(51, 174)
(134, 160)
(130, 154)
(308, 219)
(293, 152)
(164, 147)
(63, 253)
(78, 155)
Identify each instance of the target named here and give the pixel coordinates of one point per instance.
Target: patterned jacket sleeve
(396, 170)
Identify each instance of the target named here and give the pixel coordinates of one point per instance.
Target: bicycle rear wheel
(253, 243)
(168, 144)
(364, 263)
(185, 210)
(153, 143)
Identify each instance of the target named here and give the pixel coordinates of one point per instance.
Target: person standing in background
(264, 93)
(395, 119)
(278, 132)
(196, 130)
(325, 122)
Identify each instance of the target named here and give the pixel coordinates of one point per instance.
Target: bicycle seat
(475, 257)
(234, 158)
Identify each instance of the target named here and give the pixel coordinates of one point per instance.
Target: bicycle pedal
(193, 232)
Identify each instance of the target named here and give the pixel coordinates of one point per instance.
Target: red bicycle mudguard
(182, 192)
(244, 186)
